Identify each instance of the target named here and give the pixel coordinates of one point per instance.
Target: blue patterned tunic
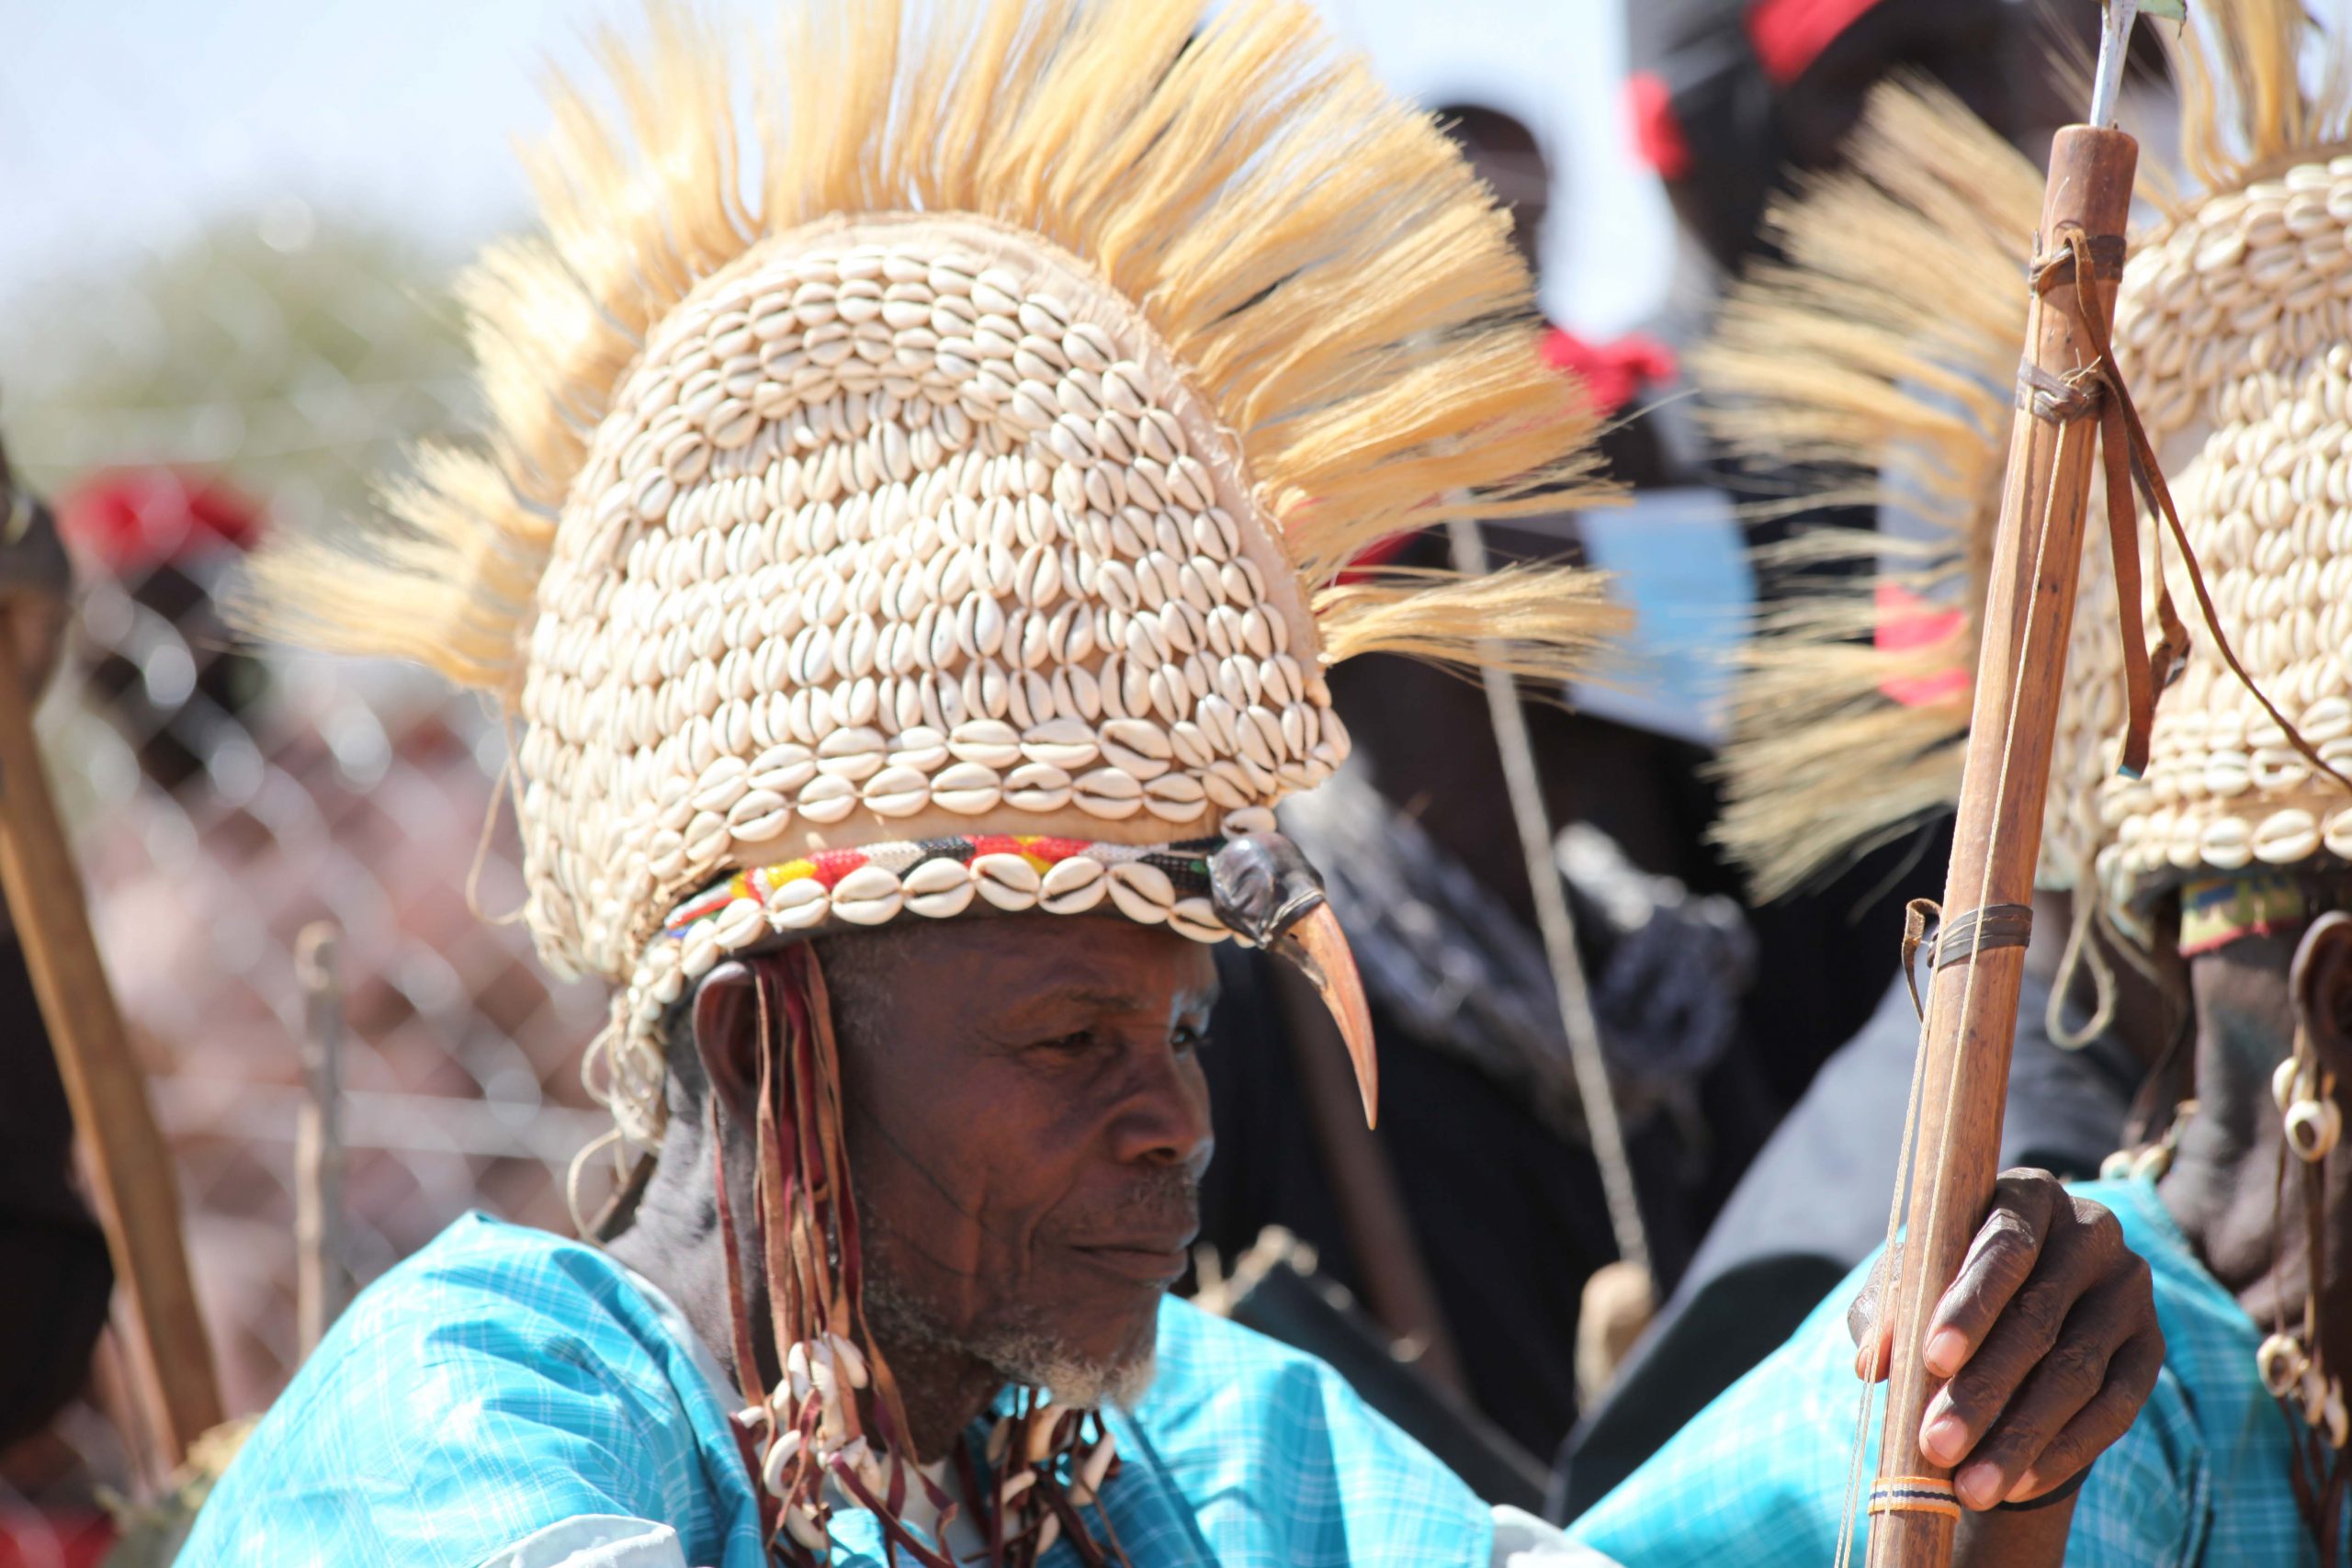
(504, 1384)
(1758, 1478)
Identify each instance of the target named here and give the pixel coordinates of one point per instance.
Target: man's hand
(2049, 1338)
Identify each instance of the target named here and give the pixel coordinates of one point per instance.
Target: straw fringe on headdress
(1845, 355)
(946, 497)
(1314, 252)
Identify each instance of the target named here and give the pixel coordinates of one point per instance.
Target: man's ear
(2320, 982)
(726, 1037)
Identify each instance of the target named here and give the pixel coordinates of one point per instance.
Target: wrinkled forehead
(1005, 963)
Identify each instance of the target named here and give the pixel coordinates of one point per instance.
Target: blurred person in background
(1428, 878)
(56, 1279)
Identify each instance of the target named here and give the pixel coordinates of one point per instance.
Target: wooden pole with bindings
(129, 1163)
(1979, 957)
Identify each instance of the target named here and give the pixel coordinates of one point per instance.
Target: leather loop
(1981, 930)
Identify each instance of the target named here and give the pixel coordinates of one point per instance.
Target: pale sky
(127, 124)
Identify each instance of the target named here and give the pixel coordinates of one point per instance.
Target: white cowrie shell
(919, 747)
(1037, 787)
(2226, 843)
(967, 788)
(1221, 720)
(2285, 837)
(1335, 734)
(1114, 584)
(753, 806)
(1298, 735)
(897, 792)
(1191, 745)
(1085, 699)
(939, 888)
(854, 753)
(1008, 882)
(1137, 747)
(706, 837)
(722, 785)
(1088, 347)
(1225, 783)
(1175, 797)
(740, 922)
(827, 798)
(1108, 792)
(1072, 886)
(1064, 742)
(867, 896)
(1197, 919)
(1142, 891)
(988, 741)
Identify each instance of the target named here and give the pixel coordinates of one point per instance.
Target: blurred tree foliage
(292, 356)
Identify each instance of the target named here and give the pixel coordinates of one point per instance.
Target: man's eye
(1187, 1040)
(1069, 1044)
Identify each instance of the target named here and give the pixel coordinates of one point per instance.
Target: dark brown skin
(2049, 1338)
(1027, 1127)
(2251, 996)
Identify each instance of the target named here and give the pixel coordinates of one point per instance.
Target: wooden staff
(129, 1164)
(1980, 954)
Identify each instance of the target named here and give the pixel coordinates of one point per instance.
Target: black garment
(55, 1278)
(1814, 1204)
(1510, 1219)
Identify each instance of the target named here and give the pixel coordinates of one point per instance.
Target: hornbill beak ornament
(1264, 889)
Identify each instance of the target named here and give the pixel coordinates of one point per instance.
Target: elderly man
(2225, 866)
(944, 538)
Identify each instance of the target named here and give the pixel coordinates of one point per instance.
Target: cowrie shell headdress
(948, 501)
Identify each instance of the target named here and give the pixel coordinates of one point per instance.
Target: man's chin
(1094, 1384)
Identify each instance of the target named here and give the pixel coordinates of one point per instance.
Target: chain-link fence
(223, 798)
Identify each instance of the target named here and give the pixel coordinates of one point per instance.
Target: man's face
(1028, 1124)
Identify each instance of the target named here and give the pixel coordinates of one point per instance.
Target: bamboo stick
(1971, 1007)
(130, 1165)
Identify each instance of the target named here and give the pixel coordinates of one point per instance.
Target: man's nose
(1164, 1119)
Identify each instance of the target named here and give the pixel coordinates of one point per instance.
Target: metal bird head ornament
(1262, 886)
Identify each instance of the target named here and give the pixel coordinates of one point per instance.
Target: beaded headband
(973, 459)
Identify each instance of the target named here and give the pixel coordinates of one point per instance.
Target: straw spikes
(1307, 247)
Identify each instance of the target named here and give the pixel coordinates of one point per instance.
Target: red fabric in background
(1906, 621)
(1615, 372)
(129, 520)
(29, 1538)
(1790, 35)
(1658, 141)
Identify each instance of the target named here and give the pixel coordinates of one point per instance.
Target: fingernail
(1864, 1355)
(1979, 1486)
(1945, 1440)
(1945, 1347)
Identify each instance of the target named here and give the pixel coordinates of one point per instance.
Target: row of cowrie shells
(972, 337)
(979, 766)
(2188, 838)
(935, 889)
(943, 889)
